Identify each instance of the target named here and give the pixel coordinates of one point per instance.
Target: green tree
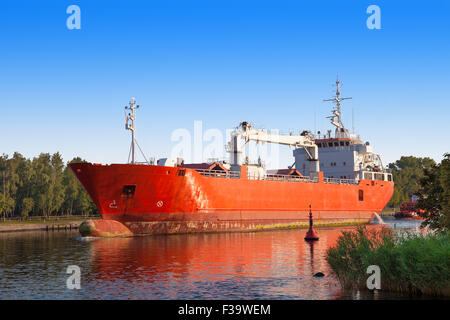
(84, 204)
(406, 173)
(23, 173)
(41, 183)
(27, 206)
(47, 183)
(76, 200)
(41, 186)
(72, 188)
(71, 191)
(445, 183)
(434, 197)
(9, 183)
(6, 205)
(58, 192)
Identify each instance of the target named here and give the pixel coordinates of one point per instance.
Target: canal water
(251, 265)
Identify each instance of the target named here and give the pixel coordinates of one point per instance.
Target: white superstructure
(343, 156)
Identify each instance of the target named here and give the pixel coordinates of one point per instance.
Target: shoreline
(72, 224)
(50, 225)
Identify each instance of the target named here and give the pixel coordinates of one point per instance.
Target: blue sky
(221, 62)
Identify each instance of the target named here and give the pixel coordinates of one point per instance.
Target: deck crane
(246, 132)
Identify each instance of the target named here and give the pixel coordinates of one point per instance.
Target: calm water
(253, 265)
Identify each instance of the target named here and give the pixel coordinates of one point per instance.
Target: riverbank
(409, 263)
(386, 212)
(47, 225)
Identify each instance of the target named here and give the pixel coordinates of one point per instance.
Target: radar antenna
(132, 116)
(336, 117)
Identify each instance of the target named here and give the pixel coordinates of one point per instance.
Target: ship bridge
(343, 156)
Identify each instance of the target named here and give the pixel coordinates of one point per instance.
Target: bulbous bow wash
(104, 228)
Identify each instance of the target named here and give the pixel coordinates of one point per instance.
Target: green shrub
(409, 263)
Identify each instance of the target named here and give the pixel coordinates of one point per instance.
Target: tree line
(430, 182)
(434, 195)
(42, 186)
(406, 173)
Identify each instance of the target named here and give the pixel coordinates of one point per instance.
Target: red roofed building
(286, 172)
(206, 166)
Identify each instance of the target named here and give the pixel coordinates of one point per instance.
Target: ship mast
(336, 118)
(131, 116)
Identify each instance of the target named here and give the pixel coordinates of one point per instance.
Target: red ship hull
(151, 199)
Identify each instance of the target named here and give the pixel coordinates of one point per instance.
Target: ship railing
(282, 177)
(376, 175)
(219, 173)
(339, 181)
(150, 162)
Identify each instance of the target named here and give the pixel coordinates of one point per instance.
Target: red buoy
(311, 235)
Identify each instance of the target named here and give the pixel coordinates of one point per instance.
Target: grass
(409, 263)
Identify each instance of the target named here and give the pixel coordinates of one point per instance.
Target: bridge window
(361, 195)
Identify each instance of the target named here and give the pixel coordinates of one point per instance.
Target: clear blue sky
(222, 62)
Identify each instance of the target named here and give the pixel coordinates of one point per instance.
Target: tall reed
(408, 262)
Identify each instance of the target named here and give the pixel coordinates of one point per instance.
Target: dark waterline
(250, 265)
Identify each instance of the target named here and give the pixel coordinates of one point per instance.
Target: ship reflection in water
(258, 265)
(249, 265)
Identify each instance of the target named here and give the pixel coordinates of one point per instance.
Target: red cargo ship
(173, 197)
